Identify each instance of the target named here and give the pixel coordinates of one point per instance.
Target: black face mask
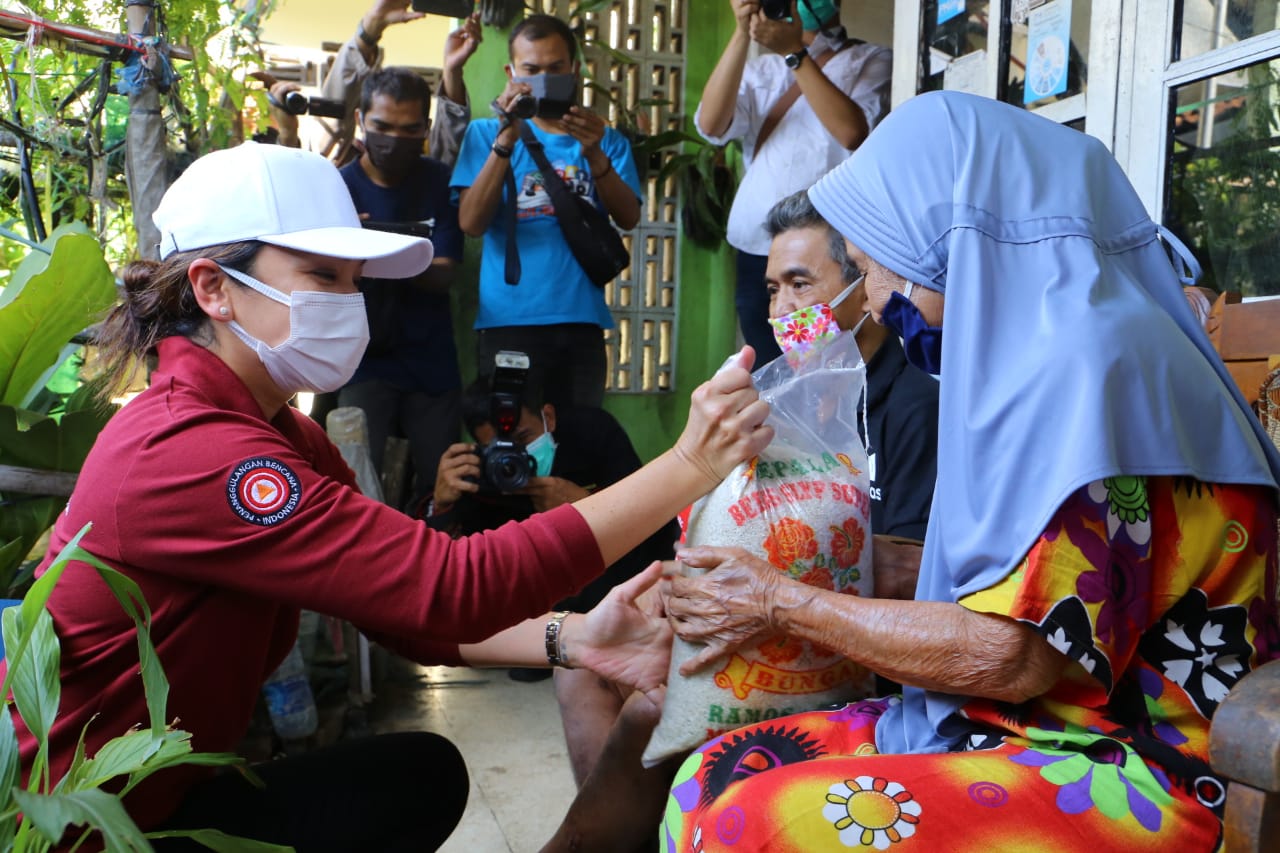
(394, 156)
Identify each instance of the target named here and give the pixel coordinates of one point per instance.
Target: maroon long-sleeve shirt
(231, 524)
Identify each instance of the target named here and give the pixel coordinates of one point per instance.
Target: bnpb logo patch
(263, 491)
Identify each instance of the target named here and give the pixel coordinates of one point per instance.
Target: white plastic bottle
(289, 699)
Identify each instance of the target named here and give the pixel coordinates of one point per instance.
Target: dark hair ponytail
(157, 302)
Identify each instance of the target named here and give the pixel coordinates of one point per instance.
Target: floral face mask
(805, 330)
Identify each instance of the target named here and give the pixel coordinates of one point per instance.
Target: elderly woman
(1100, 562)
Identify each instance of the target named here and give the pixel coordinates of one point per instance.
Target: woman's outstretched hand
(726, 421)
(725, 609)
(624, 640)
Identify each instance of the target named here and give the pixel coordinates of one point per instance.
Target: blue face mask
(921, 342)
(543, 450)
(814, 13)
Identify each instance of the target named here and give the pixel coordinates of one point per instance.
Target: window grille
(641, 347)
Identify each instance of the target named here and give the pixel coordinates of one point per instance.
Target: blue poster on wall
(948, 9)
(1048, 42)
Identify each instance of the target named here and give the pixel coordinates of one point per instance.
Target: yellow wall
(307, 23)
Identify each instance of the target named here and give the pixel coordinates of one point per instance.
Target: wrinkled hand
(726, 422)
(551, 492)
(385, 13)
(896, 566)
(584, 126)
(460, 44)
(457, 464)
(725, 609)
(778, 36)
(624, 644)
(745, 11)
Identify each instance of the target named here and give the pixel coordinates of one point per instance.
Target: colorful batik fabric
(1162, 592)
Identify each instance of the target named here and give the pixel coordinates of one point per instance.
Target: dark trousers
(752, 301)
(390, 793)
(430, 422)
(566, 359)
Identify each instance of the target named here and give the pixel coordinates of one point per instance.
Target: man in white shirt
(799, 110)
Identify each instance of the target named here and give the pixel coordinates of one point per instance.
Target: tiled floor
(509, 734)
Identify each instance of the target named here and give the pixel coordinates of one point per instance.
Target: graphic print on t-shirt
(534, 199)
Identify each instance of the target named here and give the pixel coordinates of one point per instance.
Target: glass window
(949, 29)
(1205, 25)
(1048, 50)
(1223, 176)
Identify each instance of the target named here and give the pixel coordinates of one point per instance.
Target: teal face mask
(814, 13)
(543, 450)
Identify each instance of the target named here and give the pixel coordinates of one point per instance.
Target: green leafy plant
(1225, 197)
(35, 816)
(61, 288)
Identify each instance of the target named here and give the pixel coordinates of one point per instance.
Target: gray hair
(795, 212)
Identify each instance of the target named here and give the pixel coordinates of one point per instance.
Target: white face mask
(328, 334)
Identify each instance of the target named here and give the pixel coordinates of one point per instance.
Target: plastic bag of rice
(803, 505)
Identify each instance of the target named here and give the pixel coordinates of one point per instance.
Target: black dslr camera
(504, 464)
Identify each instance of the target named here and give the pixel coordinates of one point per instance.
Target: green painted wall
(706, 325)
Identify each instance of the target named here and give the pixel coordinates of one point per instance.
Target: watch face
(793, 60)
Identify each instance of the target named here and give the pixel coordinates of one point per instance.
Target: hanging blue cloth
(1070, 353)
(145, 67)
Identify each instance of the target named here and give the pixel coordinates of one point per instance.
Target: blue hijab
(1069, 352)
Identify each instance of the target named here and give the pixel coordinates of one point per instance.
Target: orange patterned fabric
(1161, 591)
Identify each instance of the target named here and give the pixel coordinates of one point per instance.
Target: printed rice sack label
(804, 506)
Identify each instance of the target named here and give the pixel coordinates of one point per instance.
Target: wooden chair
(1247, 336)
(1244, 739)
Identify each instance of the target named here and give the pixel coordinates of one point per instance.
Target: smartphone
(448, 8)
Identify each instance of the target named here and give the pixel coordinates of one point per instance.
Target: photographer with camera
(408, 382)
(531, 457)
(550, 308)
(360, 57)
(813, 98)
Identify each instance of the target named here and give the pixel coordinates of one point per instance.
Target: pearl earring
(224, 310)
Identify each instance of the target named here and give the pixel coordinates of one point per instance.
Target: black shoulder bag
(595, 243)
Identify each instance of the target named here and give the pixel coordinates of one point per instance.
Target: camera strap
(789, 97)
(572, 215)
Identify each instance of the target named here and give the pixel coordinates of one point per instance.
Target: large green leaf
(36, 686)
(47, 308)
(119, 756)
(9, 759)
(223, 843)
(27, 440)
(32, 604)
(51, 814)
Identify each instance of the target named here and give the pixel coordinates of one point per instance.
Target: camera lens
(524, 106)
(776, 9)
(295, 103)
(508, 468)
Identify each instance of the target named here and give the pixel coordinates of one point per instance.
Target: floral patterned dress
(1161, 590)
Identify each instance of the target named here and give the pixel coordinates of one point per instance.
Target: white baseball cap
(283, 196)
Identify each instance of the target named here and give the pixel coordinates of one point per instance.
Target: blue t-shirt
(553, 288)
(411, 331)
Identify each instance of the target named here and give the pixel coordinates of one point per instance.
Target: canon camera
(505, 465)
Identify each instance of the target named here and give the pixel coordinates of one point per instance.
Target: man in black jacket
(809, 264)
(588, 450)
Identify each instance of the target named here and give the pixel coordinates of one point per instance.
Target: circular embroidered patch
(263, 491)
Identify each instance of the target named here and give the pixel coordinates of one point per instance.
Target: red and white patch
(263, 491)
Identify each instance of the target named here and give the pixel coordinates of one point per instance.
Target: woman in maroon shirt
(232, 512)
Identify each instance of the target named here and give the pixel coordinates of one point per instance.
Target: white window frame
(1144, 95)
